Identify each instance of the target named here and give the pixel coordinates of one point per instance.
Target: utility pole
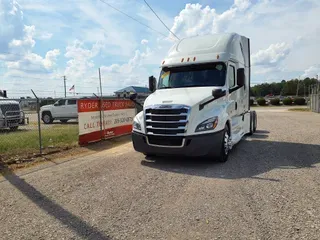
(298, 86)
(65, 88)
(100, 83)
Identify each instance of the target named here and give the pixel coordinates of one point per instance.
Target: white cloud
(144, 41)
(273, 55)
(312, 71)
(242, 4)
(50, 58)
(12, 27)
(24, 44)
(81, 59)
(195, 19)
(116, 75)
(44, 36)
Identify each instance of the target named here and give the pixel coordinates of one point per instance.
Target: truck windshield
(203, 75)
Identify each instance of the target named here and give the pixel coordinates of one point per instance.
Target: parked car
(11, 114)
(64, 110)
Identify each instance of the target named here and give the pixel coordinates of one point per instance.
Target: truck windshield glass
(213, 74)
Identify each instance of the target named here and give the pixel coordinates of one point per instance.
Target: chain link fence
(25, 131)
(315, 98)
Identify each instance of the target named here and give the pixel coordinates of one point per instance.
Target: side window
(61, 102)
(72, 102)
(232, 76)
(164, 79)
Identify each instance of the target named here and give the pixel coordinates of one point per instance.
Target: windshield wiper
(165, 87)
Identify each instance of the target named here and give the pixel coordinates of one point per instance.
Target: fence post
(100, 107)
(39, 127)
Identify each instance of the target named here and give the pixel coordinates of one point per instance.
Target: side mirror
(152, 83)
(240, 77)
(133, 96)
(217, 93)
(56, 104)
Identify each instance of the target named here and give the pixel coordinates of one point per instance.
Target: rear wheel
(225, 147)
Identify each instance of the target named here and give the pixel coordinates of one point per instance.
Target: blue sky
(42, 40)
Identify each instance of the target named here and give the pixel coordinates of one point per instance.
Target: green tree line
(284, 88)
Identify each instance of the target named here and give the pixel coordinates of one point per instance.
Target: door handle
(236, 105)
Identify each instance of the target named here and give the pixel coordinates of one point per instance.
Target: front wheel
(46, 118)
(225, 146)
(15, 128)
(255, 121)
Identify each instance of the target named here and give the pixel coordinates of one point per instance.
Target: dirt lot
(269, 189)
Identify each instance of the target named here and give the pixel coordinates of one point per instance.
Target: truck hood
(187, 96)
(46, 106)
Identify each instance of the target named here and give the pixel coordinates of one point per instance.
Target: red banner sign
(113, 120)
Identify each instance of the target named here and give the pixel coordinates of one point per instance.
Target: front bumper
(194, 146)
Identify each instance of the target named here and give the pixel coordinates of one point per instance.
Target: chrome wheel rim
(46, 118)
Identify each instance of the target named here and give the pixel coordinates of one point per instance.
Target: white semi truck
(200, 105)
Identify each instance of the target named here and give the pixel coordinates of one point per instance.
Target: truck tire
(255, 122)
(251, 124)
(225, 148)
(14, 128)
(47, 118)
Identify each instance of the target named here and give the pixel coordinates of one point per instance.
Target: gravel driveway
(269, 189)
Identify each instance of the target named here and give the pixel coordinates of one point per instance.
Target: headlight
(209, 124)
(136, 126)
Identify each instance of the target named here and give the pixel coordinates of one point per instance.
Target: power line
(160, 19)
(132, 18)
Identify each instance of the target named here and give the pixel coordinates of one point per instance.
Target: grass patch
(299, 109)
(27, 141)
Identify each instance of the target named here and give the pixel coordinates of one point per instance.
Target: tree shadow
(248, 159)
(79, 226)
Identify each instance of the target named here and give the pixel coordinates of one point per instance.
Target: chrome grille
(166, 120)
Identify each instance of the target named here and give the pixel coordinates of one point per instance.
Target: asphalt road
(269, 189)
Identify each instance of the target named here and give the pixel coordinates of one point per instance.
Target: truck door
(72, 108)
(59, 109)
(234, 99)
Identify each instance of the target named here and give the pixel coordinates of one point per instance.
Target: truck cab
(200, 105)
(11, 114)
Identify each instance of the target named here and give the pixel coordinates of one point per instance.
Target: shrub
(287, 101)
(261, 102)
(275, 101)
(251, 102)
(299, 101)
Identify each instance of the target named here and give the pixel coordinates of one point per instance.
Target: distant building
(142, 92)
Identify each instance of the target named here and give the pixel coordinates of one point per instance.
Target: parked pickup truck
(63, 110)
(11, 114)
